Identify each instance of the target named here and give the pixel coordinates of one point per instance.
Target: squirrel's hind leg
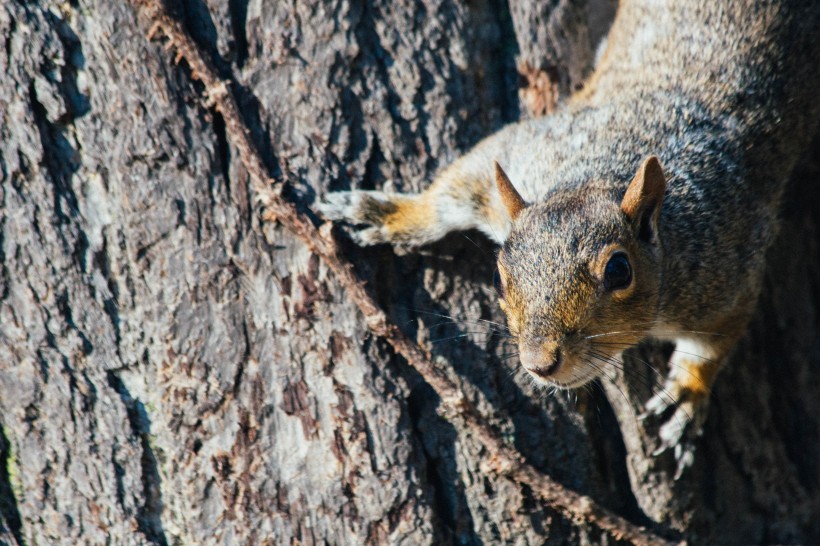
(692, 370)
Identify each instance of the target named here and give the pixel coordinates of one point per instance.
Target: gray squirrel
(645, 205)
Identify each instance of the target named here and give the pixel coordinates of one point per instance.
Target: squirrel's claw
(685, 424)
(662, 401)
(685, 455)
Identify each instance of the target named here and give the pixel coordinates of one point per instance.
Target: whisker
(673, 365)
(705, 359)
(628, 372)
(462, 335)
(661, 390)
(621, 365)
(671, 331)
(619, 389)
(512, 353)
(452, 318)
(593, 336)
(475, 244)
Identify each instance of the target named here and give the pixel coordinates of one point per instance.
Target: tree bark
(174, 370)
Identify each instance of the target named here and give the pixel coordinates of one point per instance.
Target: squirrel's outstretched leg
(692, 370)
(463, 196)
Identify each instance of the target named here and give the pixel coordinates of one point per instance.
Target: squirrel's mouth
(562, 370)
(541, 362)
(547, 372)
(571, 383)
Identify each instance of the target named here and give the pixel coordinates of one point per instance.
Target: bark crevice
(149, 516)
(437, 442)
(239, 13)
(9, 511)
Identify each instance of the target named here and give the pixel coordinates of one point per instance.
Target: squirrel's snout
(541, 361)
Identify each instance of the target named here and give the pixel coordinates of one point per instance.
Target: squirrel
(644, 206)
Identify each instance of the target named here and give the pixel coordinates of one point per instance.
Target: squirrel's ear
(643, 198)
(509, 195)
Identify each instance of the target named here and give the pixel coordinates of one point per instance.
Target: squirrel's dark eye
(499, 287)
(618, 272)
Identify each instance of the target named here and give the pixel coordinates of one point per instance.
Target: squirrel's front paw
(688, 409)
(360, 207)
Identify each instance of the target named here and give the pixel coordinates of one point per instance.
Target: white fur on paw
(658, 404)
(339, 205)
(356, 207)
(369, 236)
(667, 397)
(685, 456)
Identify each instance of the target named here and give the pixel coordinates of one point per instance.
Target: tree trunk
(175, 371)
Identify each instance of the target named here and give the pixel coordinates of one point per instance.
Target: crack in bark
(57, 157)
(5, 278)
(223, 151)
(238, 10)
(365, 30)
(149, 516)
(454, 519)
(8, 501)
(610, 453)
(77, 104)
(371, 167)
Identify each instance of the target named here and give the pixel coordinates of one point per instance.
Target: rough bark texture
(174, 371)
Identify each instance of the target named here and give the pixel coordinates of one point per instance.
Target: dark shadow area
(437, 438)
(61, 161)
(77, 104)
(239, 15)
(199, 22)
(8, 501)
(792, 351)
(798, 426)
(610, 454)
(492, 66)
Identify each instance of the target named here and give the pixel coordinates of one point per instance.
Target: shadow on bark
(8, 501)
(150, 513)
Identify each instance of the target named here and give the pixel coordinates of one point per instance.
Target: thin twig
(502, 458)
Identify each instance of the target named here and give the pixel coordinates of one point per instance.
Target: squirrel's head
(579, 275)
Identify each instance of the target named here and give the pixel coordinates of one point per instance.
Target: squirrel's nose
(540, 360)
